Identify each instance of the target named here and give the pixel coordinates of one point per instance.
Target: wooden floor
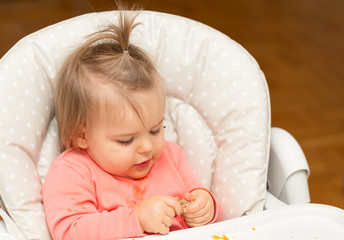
(298, 44)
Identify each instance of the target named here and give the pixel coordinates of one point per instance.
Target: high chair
(218, 110)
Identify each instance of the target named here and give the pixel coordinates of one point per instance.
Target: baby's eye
(155, 132)
(125, 142)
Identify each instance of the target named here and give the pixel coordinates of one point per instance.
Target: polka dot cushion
(186, 127)
(218, 111)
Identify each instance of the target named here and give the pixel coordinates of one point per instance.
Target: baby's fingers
(173, 203)
(163, 229)
(198, 218)
(195, 214)
(170, 212)
(196, 206)
(196, 222)
(190, 196)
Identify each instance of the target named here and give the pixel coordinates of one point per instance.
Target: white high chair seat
(217, 110)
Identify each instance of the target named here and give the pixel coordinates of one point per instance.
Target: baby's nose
(146, 145)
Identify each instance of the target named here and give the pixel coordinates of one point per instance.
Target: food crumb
(223, 237)
(184, 203)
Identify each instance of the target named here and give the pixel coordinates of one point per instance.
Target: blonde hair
(108, 54)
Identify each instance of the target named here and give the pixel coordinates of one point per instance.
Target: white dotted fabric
(218, 111)
(186, 127)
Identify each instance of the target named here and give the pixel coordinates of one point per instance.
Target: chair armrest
(271, 202)
(288, 168)
(296, 189)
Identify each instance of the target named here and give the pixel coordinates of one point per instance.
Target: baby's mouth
(143, 164)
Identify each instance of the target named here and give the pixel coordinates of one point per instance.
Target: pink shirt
(82, 201)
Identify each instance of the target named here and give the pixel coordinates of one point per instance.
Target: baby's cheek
(159, 149)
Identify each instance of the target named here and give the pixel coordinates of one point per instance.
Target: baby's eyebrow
(160, 121)
(122, 135)
(128, 134)
(156, 125)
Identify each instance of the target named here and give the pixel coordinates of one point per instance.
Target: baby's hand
(156, 213)
(202, 209)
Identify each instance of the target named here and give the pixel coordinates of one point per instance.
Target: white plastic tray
(294, 222)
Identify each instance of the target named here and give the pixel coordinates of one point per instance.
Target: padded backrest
(218, 111)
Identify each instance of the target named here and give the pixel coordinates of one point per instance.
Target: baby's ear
(81, 139)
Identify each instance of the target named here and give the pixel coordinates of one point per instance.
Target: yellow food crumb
(253, 229)
(223, 237)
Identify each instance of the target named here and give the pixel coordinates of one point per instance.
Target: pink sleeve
(70, 206)
(192, 183)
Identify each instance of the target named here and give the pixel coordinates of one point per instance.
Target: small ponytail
(126, 25)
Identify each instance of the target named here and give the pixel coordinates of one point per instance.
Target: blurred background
(297, 43)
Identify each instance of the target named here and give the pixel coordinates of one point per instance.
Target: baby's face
(128, 147)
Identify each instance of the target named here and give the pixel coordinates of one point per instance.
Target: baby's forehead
(116, 106)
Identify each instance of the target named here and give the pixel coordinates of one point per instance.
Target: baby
(117, 176)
